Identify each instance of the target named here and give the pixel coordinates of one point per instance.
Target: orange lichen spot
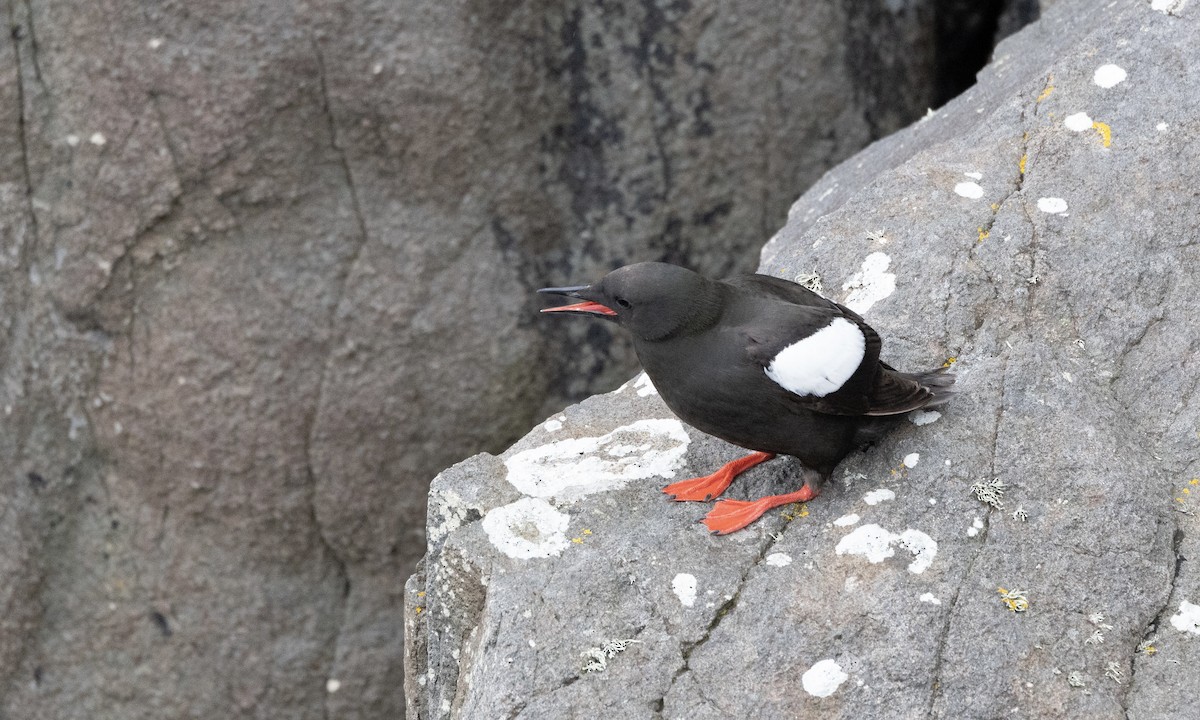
(950, 361)
(1021, 163)
(1105, 132)
(983, 234)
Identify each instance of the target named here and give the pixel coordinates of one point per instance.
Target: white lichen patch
(911, 460)
(976, 526)
(554, 424)
(974, 175)
(923, 548)
(1052, 205)
(1078, 122)
(1187, 619)
(924, 417)
(684, 587)
(878, 495)
(871, 284)
(869, 541)
(847, 520)
(447, 512)
(929, 598)
(969, 190)
(1109, 75)
(1168, 7)
(778, 559)
(572, 468)
(823, 678)
(98, 139)
(644, 386)
(527, 528)
(875, 544)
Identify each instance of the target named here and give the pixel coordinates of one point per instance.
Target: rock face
(266, 269)
(1042, 230)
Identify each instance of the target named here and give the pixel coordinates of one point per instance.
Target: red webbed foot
(711, 486)
(730, 515)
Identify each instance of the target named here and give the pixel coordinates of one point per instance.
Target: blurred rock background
(267, 267)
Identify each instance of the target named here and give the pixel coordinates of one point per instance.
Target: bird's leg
(711, 486)
(730, 515)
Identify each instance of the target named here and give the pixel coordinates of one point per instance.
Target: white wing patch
(822, 362)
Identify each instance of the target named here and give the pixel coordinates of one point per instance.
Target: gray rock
(266, 267)
(1051, 256)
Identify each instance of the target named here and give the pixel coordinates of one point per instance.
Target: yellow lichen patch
(1185, 492)
(420, 593)
(418, 609)
(949, 361)
(1014, 600)
(1049, 89)
(795, 510)
(587, 532)
(983, 234)
(1105, 132)
(1021, 163)
(577, 541)
(1149, 650)
(995, 207)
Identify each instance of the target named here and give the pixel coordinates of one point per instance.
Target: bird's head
(652, 300)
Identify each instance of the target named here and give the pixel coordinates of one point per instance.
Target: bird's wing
(826, 359)
(789, 292)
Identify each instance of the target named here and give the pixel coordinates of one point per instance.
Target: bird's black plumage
(715, 350)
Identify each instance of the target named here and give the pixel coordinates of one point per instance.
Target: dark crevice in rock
(1151, 629)
(33, 43)
(28, 250)
(966, 33)
(724, 610)
(329, 547)
(935, 694)
(581, 140)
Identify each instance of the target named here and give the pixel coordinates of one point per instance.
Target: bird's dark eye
(623, 302)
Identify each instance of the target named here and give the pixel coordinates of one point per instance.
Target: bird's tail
(897, 392)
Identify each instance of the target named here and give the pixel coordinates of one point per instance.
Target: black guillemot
(762, 363)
